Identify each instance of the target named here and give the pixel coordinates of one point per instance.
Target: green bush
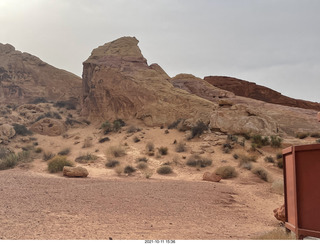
(9, 161)
(164, 170)
(276, 141)
(260, 141)
(226, 172)
(57, 163)
(198, 161)
(106, 127)
(118, 124)
(21, 130)
(3, 152)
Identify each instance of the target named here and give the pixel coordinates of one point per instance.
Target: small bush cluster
(9, 161)
(69, 105)
(142, 165)
(116, 151)
(115, 126)
(198, 161)
(57, 163)
(129, 170)
(198, 129)
(21, 130)
(164, 170)
(163, 150)
(276, 141)
(302, 135)
(86, 158)
(64, 152)
(47, 156)
(269, 159)
(262, 173)
(226, 172)
(53, 115)
(112, 163)
(174, 124)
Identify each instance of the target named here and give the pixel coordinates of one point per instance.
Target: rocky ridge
(252, 90)
(24, 77)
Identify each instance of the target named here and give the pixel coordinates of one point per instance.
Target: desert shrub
(163, 150)
(38, 150)
(118, 124)
(69, 105)
(245, 161)
(315, 134)
(269, 159)
(260, 141)
(47, 156)
(39, 100)
(276, 234)
(87, 142)
(3, 152)
(233, 138)
(53, 115)
(262, 173)
(142, 159)
(21, 130)
(116, 151)
(150, 147)
(119, 170)
(180, 147)
(86, 158)
(135, 139)
(102, 140)
(227, 147)
(198, 161)
(174, 124)
(106, 127)
(279, 163)
(64, 152)
(57, 163)
(132, 129)
(129, 169)
(148, 173)
(164, 170)
(226, 172)
(9, 161)
(276, 141)
(198, 129)
(279, 155)
(142, 165)
(112, 163)
(235, 156)
(302, 135)
(24, 156)
(277, 187)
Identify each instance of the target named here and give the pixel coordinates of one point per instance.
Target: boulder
(48, 127)
(280, 213)
(207, 176)
(6, 132)
(75, 171)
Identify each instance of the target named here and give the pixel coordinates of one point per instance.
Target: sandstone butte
(118, 83)
(252, 90)
(24, 77)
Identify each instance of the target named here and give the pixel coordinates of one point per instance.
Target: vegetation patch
(129, 170)
(47, 156)
(163, 150)
(226, 172)
(164, 170)
(198, 161)
(86, 158)
(116, 151)
(64, 152)
(112, 163)
(9, 161)
(21, 130)
(262, 173)
(180, 147)
(198, 129)
(57, 163)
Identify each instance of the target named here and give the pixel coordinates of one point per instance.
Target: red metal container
(302, 189)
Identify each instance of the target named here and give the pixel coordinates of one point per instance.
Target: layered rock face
(24, 77)
(252, 90)
(118, 83)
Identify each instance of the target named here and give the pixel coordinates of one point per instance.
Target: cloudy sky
(275, 43)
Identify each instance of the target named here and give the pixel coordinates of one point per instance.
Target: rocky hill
(252, 90)
(24, 77)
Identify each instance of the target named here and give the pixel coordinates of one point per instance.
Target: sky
(274, 43)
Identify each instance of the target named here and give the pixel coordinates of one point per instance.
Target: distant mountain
(24, 77)
(252, 90)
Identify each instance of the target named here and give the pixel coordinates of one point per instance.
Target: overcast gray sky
(275, 43)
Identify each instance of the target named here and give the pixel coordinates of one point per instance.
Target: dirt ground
(35, 204)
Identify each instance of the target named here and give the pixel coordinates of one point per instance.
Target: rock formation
(252, 90)
(207, 176)
(48, 127)
(118, 83)
(75, 171)
(280, 213)
(24, 77)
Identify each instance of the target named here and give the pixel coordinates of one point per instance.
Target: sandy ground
(35, 204)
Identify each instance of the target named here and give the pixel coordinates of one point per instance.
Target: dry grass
(57, 163)
(226, 172)
(262, 173)
(116, 151)
(276, 234)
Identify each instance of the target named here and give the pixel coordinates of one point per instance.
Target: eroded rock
(75, 171)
